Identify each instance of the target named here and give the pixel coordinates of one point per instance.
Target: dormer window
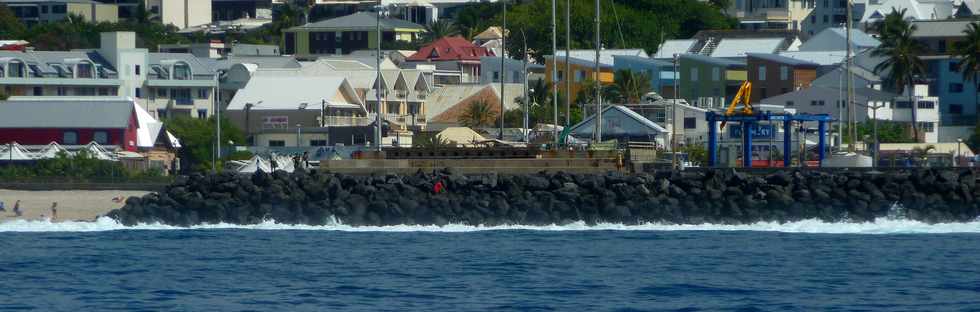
(35, 71)
(15, 69)
(182, 71)
(63, 72)
(84, 70)
(160, 72)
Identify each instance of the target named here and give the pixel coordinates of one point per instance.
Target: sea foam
(880, 226)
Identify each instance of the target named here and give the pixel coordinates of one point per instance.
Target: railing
(184, 101)
(346, 121)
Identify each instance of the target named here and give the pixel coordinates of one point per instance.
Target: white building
(181, 13)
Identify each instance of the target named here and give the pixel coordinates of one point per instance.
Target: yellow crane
(743, 96)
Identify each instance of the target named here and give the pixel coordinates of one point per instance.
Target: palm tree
(632, 86)
(478, 114)
(439, 29)
(902, 62)
(968, 52)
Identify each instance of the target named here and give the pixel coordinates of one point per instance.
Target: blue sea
(889, 265)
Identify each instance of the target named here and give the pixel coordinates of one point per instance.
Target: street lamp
(299, 126)
(959, 142)
(248, 125)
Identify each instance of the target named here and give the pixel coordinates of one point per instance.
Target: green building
(346, 34)
(709, 82)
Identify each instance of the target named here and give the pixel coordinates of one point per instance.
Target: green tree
(974, 140)
(631, 86)
(888, 131)
(439, 29)
(901, 57)
(478, 114)
(3, 96)
(968, 51)
(197, 136)
(10, 26)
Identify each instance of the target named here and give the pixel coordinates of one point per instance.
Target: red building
(453, 54)
(112, 123)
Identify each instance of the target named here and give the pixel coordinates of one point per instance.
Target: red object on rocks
(439, 187)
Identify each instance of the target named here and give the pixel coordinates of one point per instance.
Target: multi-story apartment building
(772, 75)
(38, 11)
(772, 14)
(344, 35)
(581, 65)
(229, 10)
(181, 13)
(709, 82)
(165, 84)
(452, 55)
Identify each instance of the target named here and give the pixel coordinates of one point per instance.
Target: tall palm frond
(901, 54)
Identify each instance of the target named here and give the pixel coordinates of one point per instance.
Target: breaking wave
(880, 226)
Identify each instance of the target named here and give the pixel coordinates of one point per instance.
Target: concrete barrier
(471, 166)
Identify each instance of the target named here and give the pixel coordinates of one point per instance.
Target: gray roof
(45, 59)
(833, 39)
(199, 66)
(731, 47)
(605, 56)
(712, 60)
(65, 114)
(590, 63)
(647, 60)
(782, 59)
(360, 20)
(941, 28)
(675, 46)
(860, 93)
(822, 58)
(265, 62)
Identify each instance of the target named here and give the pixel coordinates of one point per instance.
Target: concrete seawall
(471, 166)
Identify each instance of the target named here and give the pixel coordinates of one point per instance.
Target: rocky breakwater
(713, 196)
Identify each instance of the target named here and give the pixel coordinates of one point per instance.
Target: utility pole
(850, 94)
(527, 93)
(568, 51)
(377, 91)
(598, 84)
(503, 53)
(554, 68)
(673, 119)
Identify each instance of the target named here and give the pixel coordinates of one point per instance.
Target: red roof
(450, 49)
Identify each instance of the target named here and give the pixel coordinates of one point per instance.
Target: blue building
(957, 98)
(661, 72)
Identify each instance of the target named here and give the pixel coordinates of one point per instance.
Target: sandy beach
(72, 205)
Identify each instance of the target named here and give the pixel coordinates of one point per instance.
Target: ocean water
(888, 265)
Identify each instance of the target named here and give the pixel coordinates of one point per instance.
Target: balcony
(346, 121)
(765, 14)
(184, 101)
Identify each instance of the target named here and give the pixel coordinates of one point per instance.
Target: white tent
(255, 164)
(97, 151)
(51, 151)
(13, 151)
(284, 163)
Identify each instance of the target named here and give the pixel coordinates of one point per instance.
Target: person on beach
(2, 208)
(54, 210)
(17, 211)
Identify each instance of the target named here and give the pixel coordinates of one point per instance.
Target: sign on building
(275, 122)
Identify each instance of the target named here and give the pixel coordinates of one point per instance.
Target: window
(821, 103)
(103, 91)
(784, 72)
(318, 142)
(69, 138)
(941, 46)
(85, 91)
(137, 70)
(690, 122)
(277, 143)
(561, 75)
(694, 74)
(139, 92)
(202, 93)
(38, 91)
(579, 75)
(162, 93)
(101, 137)
(927, 126)
(202, 113)
(496, 76)
(84, 70)
(790, 103)
(716, 92)
(762, 72)
(44, 9)
(182, 72)
(954, 66)
(813, 103)
(926, 104)
(16, 69)
(394, 108)
(956, 109)
(955, 88)
(660, 116)
(59, 9)
(715, 74)
(826, 3)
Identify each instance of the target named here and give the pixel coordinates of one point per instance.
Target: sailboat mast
(598, 84)
(851, 131)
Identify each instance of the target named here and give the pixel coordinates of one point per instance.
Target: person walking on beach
(2, 208)
(17, 211)
(54, 210)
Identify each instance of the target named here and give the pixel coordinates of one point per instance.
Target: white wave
(880, 226)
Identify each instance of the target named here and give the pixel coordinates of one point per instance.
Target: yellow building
(582, 71)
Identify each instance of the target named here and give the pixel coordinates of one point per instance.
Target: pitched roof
(739, 47)
(833, 39)
(450, 49)
(822, 58)
(782, 59)
(287, 92)
(674, 46)
(605, 56)
(198, 67)
(360, 20)
(645, 60)
(491, 33)
(713, 60)
(260, 61)
(616, 120)
(87, 114)
(46, 61)
(442, 104)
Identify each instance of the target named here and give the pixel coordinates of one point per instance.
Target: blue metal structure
(748, 122)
